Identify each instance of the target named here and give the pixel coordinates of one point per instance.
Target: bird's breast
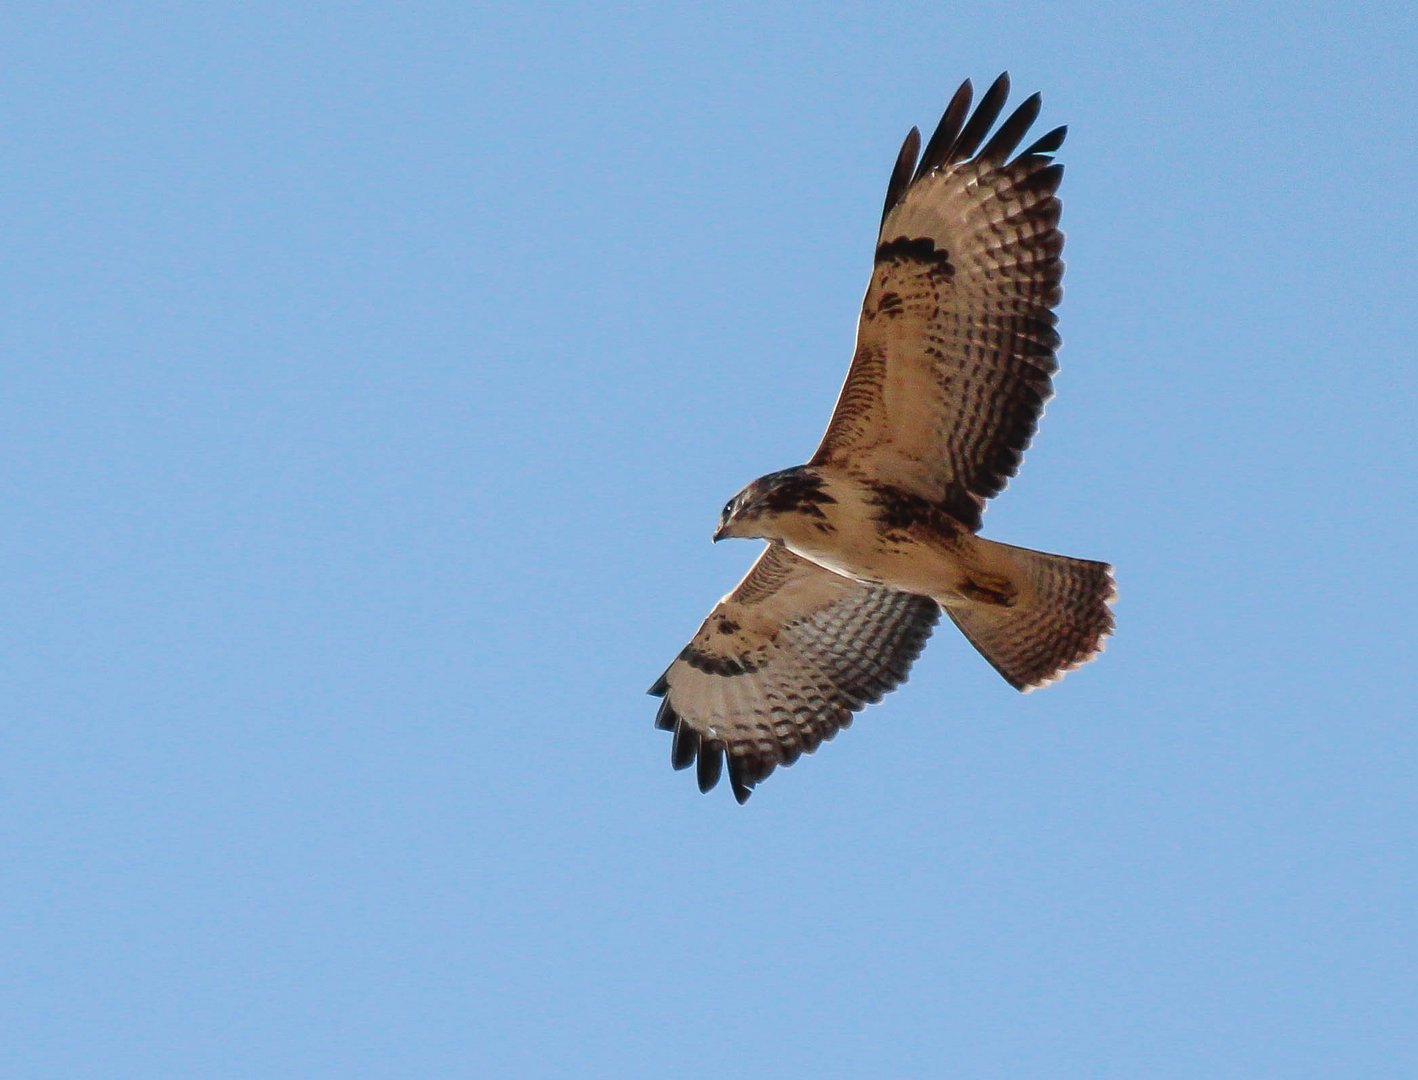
(861, 537)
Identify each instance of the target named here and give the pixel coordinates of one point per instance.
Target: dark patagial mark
(920, 249)
(727, 625)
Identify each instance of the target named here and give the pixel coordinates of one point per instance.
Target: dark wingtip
(942, 141)
(1045, 181)
(986, 113)
(1047, 143)
(666, 718)
(662, 684)
(901, 174)
(741, 790)
(711, 762)
(684, 747)
(1004, 141)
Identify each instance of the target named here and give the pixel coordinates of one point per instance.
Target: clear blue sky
(373, 377)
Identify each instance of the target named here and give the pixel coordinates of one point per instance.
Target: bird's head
(738, 516)
(754, 511)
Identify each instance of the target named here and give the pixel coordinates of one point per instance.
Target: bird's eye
(728, 508)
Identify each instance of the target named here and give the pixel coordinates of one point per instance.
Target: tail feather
(1060, 622)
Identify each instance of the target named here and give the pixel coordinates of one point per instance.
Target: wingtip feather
(711, 763)
(1013, 130)
(986, 113)
(1046, 144)
(942, 140)
(684, 747)
(902, 172)
(742, 789)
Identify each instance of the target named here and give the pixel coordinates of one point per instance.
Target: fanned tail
(1060, 622)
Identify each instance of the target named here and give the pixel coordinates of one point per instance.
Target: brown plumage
(954, 362)
(782, 664)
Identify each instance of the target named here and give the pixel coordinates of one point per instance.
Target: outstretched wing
(956, 342)
(781, 664)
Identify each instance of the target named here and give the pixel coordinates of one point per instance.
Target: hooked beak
(719, 533)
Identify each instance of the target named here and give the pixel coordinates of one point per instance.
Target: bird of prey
(879, 532)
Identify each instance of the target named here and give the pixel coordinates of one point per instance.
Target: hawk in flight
(878, 533)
